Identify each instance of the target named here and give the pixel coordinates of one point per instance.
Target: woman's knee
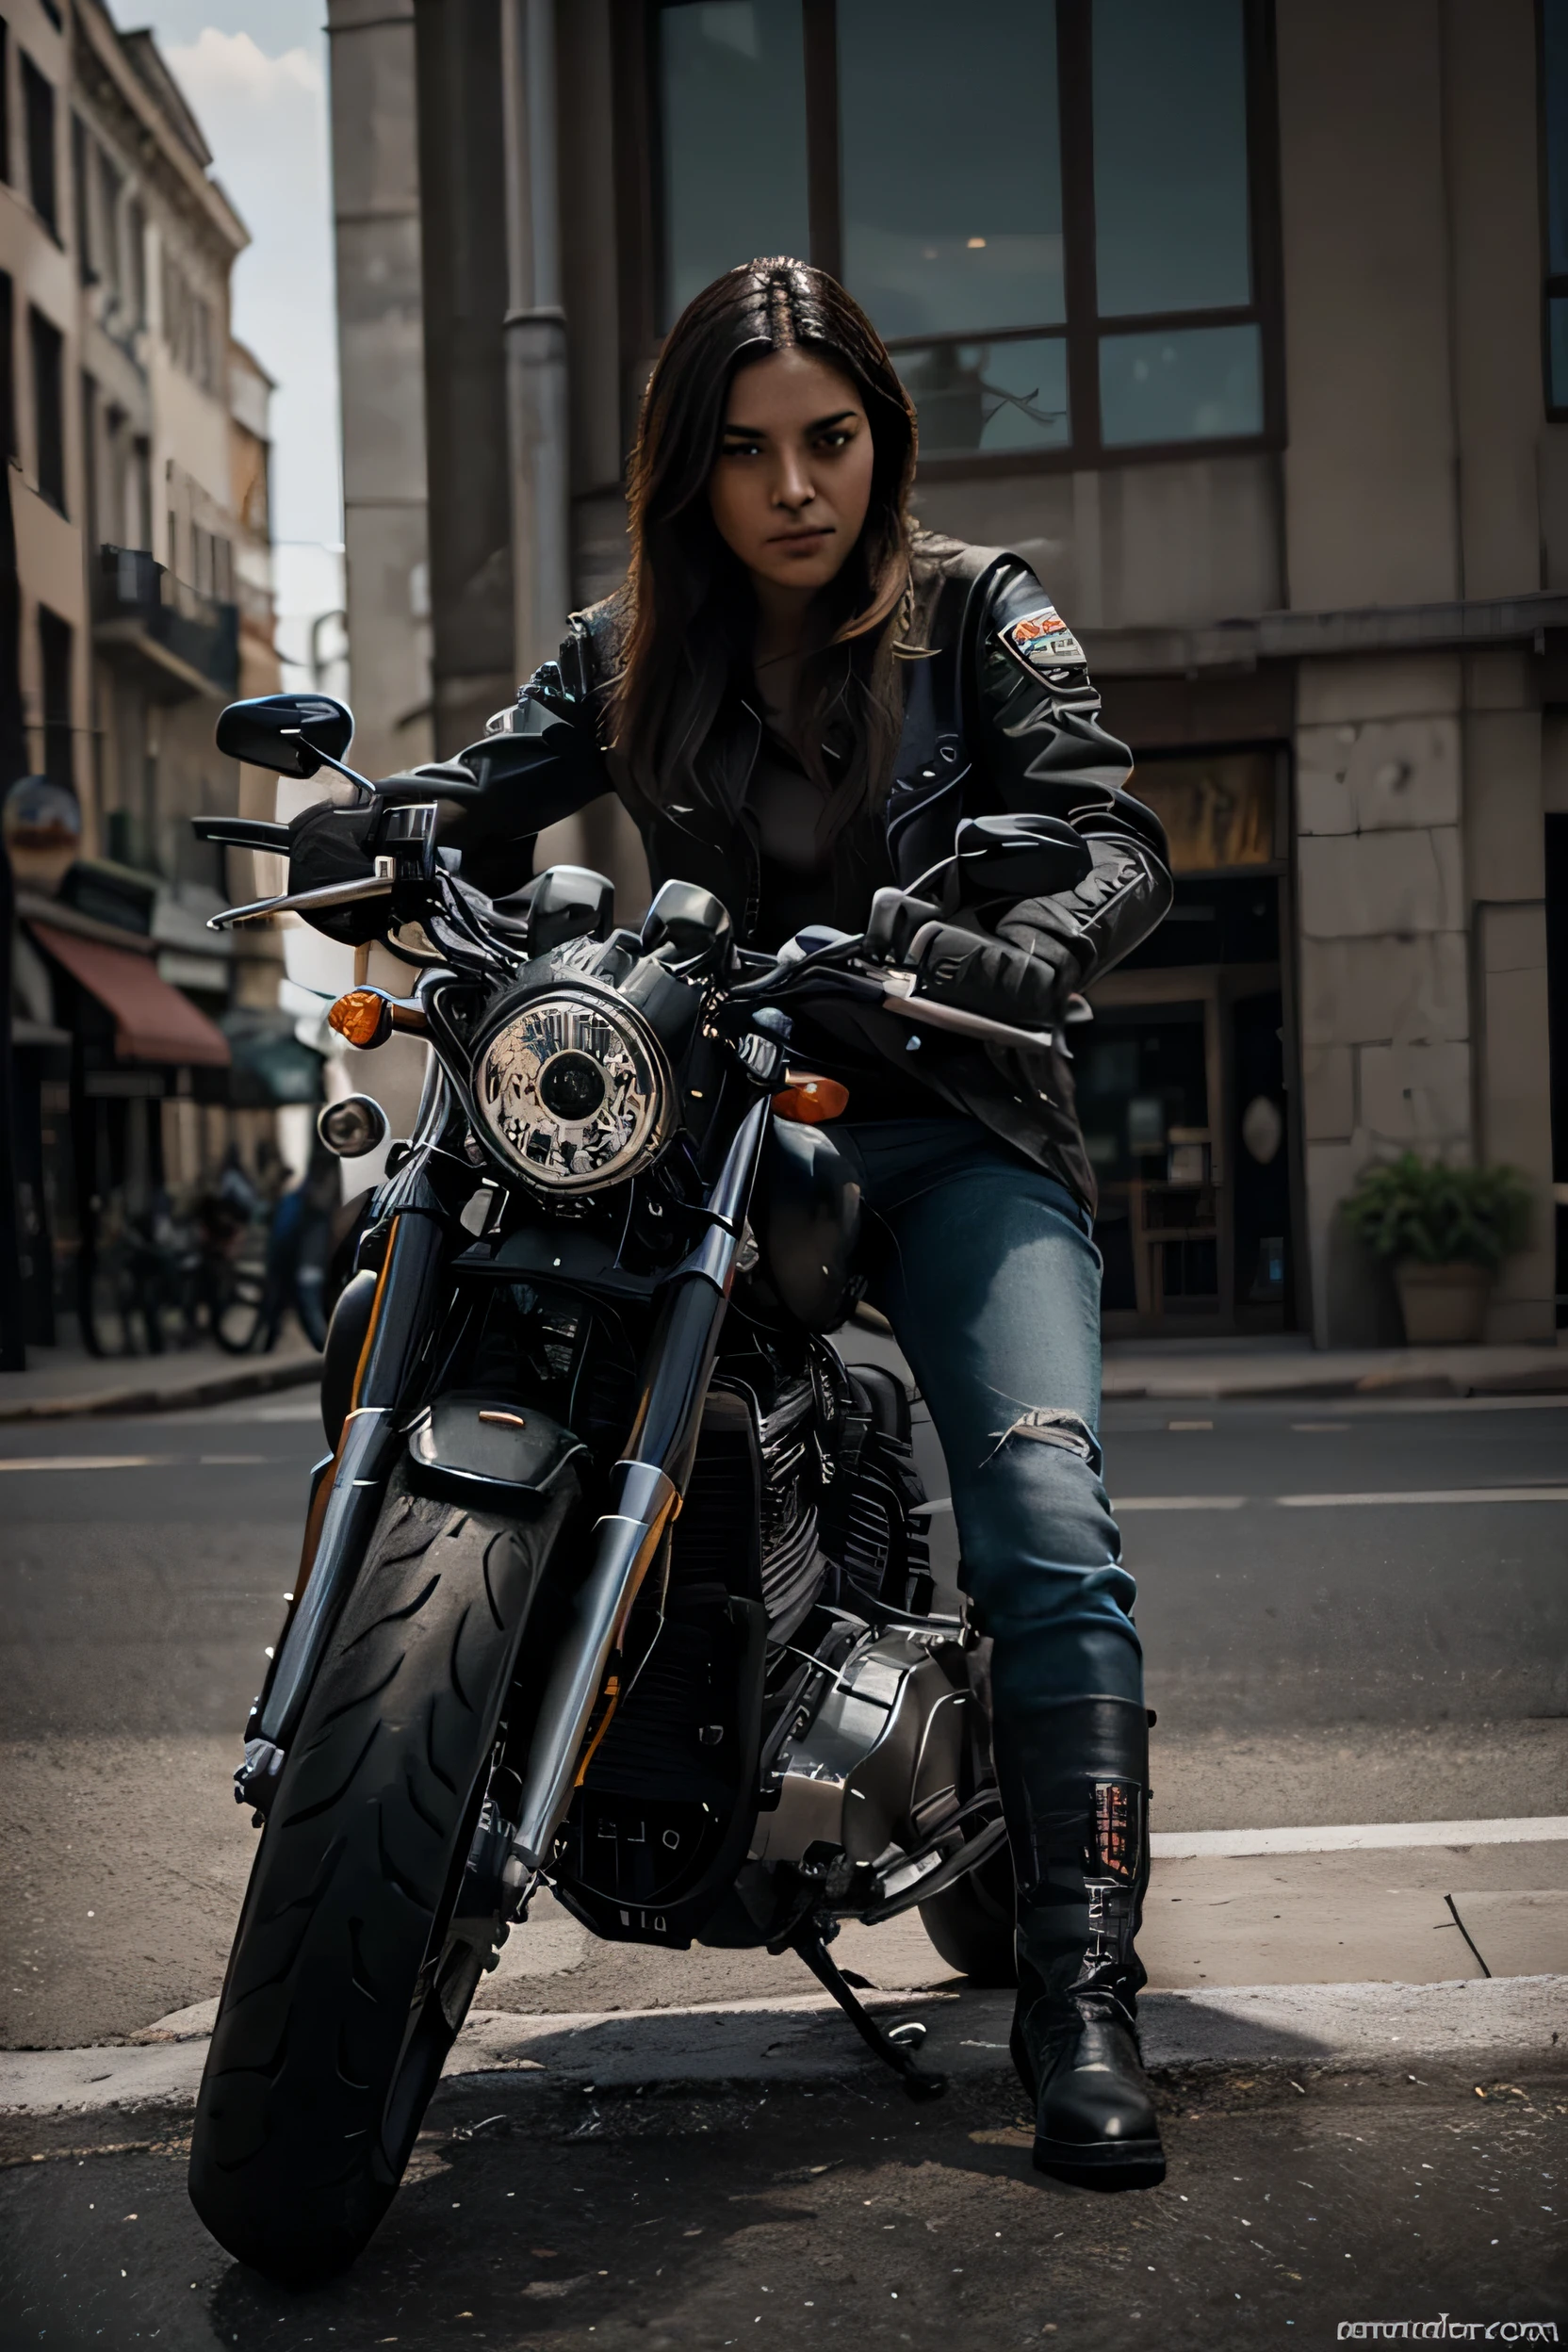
(1037, 1494)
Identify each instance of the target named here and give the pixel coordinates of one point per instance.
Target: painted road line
(1435, 1495)
(1194, 1844)
(1182, 1502)
(137, 1462)
(1123, 1504)
(86, 1461)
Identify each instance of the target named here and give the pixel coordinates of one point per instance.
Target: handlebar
(827, 969)
(890, 989)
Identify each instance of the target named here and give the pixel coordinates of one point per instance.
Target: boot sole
(1108, 2165)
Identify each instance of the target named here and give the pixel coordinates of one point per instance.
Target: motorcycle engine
(870, 1763)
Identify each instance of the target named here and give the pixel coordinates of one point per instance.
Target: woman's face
(792, 483)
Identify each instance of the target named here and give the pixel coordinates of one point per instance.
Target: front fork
(347, 1498)
(646, 1496)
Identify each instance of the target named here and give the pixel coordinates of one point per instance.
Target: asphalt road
(1328, 1661)
(1297, 1567)
(1342, 1662)
(533, 2221)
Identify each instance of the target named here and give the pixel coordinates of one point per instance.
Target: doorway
(1185, 1098)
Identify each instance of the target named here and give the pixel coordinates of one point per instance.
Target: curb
(806, 2040)
(1550, 1381)
(222, 1388)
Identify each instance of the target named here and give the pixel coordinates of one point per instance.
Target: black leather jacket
(1001, 716)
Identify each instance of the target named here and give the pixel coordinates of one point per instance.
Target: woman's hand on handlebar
(1027, 987)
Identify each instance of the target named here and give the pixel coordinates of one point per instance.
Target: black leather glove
(894, 919)
(327, 847)
(1025, 986)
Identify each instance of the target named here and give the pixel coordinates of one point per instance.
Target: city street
(1345, 1663)
(1314, 1662)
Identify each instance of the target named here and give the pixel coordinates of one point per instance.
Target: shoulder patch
(1042, 641)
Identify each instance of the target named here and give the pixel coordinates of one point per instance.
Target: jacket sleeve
(1044, 750)
(542, 761)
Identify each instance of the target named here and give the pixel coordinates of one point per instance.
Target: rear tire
(344, 1992)
(972, 1924)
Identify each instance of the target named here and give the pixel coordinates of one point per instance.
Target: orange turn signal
(811, 1100)
(364, 1017)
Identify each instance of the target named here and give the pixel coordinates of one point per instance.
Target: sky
(254, 72)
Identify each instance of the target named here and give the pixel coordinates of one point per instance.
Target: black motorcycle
(616, 1579)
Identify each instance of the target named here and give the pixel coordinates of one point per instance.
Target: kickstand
(892, 2053)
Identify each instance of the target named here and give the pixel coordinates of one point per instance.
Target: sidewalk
(60, 1383)
(65, 1382)
(1289, 1365)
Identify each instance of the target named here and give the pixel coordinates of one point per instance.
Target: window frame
(57, 648)
(8, 404)
(48, 350)
(41, 114)
(641, 223)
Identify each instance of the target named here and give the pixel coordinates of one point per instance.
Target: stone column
(381, 346)
(1386, 1029)
(463, 208)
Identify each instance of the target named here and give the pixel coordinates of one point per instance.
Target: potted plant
(1445, 1230)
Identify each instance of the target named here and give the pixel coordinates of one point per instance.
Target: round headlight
(573, 1091)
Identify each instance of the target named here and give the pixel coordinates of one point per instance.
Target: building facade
(1243, 321)
(139, 450)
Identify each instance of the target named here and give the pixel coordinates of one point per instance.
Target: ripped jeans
(986, 1269)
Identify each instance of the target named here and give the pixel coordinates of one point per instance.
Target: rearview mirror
(289, 733)
(691, 921)
(1014, 857)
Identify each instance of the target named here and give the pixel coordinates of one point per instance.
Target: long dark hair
(688, 607)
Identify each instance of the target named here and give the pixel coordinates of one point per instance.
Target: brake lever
(303, 902)
(892, 989)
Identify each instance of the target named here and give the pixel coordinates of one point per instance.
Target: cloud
(283, 24)
(265, 119)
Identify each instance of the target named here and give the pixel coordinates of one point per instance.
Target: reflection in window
(950, 172)
(1191, 383)
(1169, 156)
(989, 396)
(732, 78)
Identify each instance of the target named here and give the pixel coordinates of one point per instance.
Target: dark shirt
(801, 882)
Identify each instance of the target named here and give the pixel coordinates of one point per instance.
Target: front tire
(344, 1993)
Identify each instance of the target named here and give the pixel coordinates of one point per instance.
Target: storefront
(1184, 1077)
(94, 1126)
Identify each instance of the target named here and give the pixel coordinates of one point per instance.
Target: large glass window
(1047, 209)
(1170, 227)
(1554, 114)
(733, 128)
(952, 185)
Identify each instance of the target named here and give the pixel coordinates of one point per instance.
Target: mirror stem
(328, 762)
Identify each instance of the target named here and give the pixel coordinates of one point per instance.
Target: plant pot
(1443, 1306)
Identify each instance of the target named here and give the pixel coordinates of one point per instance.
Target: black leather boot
(1074, 1783)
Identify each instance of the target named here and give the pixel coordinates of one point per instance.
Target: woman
(796, 695)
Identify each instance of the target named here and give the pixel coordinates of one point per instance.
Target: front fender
(808, 1223)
